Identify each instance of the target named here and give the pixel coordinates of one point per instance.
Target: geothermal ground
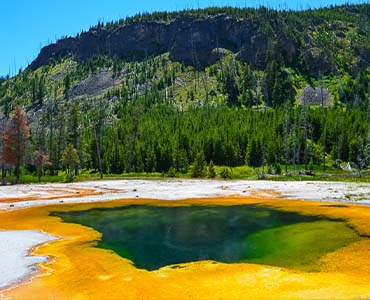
(37, 251)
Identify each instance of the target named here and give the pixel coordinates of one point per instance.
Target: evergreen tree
(70, 160)
(272, 84)
(229, 84)
(41, 91)
(73, 129)
(199, 166)
(211, 170)
(254, 154)
(67, 86)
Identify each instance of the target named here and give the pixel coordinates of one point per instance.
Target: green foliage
(277, 167)
(311, 166)
(67, 85)
(254, 153)
(226, 173)
(70, 160)
(211, 170)
(199, 166)
(171, 172)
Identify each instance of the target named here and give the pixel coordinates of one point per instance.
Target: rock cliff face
(194, 40)
(188, 39)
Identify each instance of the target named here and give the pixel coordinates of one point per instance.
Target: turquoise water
(153, 236)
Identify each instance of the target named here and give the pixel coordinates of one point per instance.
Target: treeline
(133, 136)
(161, 137)
(304, 15)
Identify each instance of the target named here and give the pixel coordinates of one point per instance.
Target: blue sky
(27, 25)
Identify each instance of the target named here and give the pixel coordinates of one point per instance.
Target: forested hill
(240, 54)
(149, 92)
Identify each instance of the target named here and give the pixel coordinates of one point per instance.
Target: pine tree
(272, 84)
(41, 91)
(73, 128)
(199, 166)
(67, 86)
(254, 151)
(70, 160)
(211, 170)
(277, 93)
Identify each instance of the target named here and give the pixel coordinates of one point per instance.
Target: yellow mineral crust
(77, 270)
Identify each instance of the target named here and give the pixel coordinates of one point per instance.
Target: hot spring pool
(156, 236)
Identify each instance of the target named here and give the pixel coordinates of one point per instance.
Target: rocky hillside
(312, 40)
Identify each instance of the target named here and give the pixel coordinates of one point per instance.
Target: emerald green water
(153, 237)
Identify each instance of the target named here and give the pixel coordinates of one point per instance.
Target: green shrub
(311, 166)
(277, 169)
(226, 173)
(211, 170)
(171, 172)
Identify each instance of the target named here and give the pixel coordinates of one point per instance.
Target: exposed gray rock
(188, 39)
(311, 96)
(93, 85)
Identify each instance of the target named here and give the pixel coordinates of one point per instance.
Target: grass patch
(294, 173)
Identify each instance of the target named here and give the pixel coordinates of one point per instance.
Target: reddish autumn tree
(15, 139)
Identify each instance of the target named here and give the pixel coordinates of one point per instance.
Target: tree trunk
(3, 175)
(98, 153)
(39, 176)
(17, 174)
(51, 127)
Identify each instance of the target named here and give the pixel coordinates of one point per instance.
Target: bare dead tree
(286, 134)
(294, 144)
(97, 120)
(305, 131)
